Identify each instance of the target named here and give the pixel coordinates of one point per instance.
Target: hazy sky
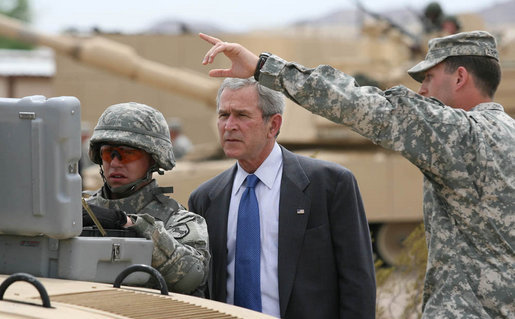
(236, 15)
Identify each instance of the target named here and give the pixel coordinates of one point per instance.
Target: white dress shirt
(268, 193)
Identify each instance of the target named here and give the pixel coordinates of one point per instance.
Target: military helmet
(433, 9)
(135, 125)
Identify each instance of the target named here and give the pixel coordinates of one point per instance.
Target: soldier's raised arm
(244, 62)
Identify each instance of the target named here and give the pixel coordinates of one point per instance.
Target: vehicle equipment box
(39, 155)
(98, 259)
(40, 196)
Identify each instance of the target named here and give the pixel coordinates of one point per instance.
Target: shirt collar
(267, 172)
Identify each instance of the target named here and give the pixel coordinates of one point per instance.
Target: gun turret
(414, 42)
(117, 58)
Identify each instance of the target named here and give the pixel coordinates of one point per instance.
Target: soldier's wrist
(262, 60)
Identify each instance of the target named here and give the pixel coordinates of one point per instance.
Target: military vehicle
(391, 187)
(26, 297)
(41, 223)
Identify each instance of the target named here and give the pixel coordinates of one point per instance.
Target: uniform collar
(488, 106)
(133, 203)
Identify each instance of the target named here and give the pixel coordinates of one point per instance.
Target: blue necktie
(247, 282)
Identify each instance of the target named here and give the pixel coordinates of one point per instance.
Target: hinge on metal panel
(115, 252)
(73, 168)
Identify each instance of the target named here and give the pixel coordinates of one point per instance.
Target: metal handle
(144, 268)
(31, 280)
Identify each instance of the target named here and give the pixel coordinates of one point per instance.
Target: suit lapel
(294, 210)
(216, 216)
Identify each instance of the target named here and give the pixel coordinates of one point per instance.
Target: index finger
(209, 38)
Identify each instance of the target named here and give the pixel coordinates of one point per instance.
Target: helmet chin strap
(129, 189)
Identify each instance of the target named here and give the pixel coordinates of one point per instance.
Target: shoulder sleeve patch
(180, 231)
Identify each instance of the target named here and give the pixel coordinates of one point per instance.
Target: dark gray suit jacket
(325, 265)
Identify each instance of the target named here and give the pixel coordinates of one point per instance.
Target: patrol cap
(478, 43)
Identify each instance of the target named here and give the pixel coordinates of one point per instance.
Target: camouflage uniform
(467, 161)
(181, 252)
(180, 237)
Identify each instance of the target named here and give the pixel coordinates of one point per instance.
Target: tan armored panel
(88, 300)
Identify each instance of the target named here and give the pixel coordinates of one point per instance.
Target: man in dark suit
(314, 255)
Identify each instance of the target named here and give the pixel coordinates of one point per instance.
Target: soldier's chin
(117, 182)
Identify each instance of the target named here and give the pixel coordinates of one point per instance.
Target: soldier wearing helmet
(130, 142)
(432, 19)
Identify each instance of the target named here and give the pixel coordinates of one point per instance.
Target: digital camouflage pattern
(469, 187)
(136, 125)
(181, 250)
(478, 43)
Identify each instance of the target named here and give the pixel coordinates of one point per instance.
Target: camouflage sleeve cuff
(270, 72)
(143, 225)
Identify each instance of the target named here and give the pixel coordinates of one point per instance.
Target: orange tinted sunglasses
(123, 153)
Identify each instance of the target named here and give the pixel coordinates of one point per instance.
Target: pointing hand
(243, 61)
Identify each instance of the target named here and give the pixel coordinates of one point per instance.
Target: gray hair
(270, 102)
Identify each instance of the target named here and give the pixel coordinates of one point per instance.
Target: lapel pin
(300, 211)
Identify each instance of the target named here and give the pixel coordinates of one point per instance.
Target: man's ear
(462, 77)
(275, 122)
